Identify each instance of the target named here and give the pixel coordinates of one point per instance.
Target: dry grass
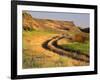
(35, 56)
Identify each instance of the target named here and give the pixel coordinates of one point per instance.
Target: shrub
(79, 38)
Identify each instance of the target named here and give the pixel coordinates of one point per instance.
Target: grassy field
(77, 46)
(35, 56)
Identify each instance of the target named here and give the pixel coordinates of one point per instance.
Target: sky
(79, 19)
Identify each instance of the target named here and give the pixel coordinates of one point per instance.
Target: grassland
(77, 46)
(37, 32)
(35, 56)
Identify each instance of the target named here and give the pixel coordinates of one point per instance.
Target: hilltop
(30, 23)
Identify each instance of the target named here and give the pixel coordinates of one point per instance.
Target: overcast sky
(79, 19)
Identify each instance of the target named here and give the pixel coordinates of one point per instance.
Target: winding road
(51, 44)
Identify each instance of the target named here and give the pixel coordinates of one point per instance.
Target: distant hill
(56, 26)
(30, 22)
(87, 30)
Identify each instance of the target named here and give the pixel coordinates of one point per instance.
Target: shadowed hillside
(87, 30)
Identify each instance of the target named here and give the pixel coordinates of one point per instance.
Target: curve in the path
(51, 45)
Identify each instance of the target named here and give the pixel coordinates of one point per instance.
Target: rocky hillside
(62, 27)
(30, 23)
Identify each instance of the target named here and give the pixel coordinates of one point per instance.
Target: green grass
(76, 46)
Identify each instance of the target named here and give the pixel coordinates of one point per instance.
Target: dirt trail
(51, 45)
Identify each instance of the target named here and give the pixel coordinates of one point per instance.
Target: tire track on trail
(51, 44)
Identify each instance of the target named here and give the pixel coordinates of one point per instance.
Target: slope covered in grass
(35, 56)
(77, 46)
